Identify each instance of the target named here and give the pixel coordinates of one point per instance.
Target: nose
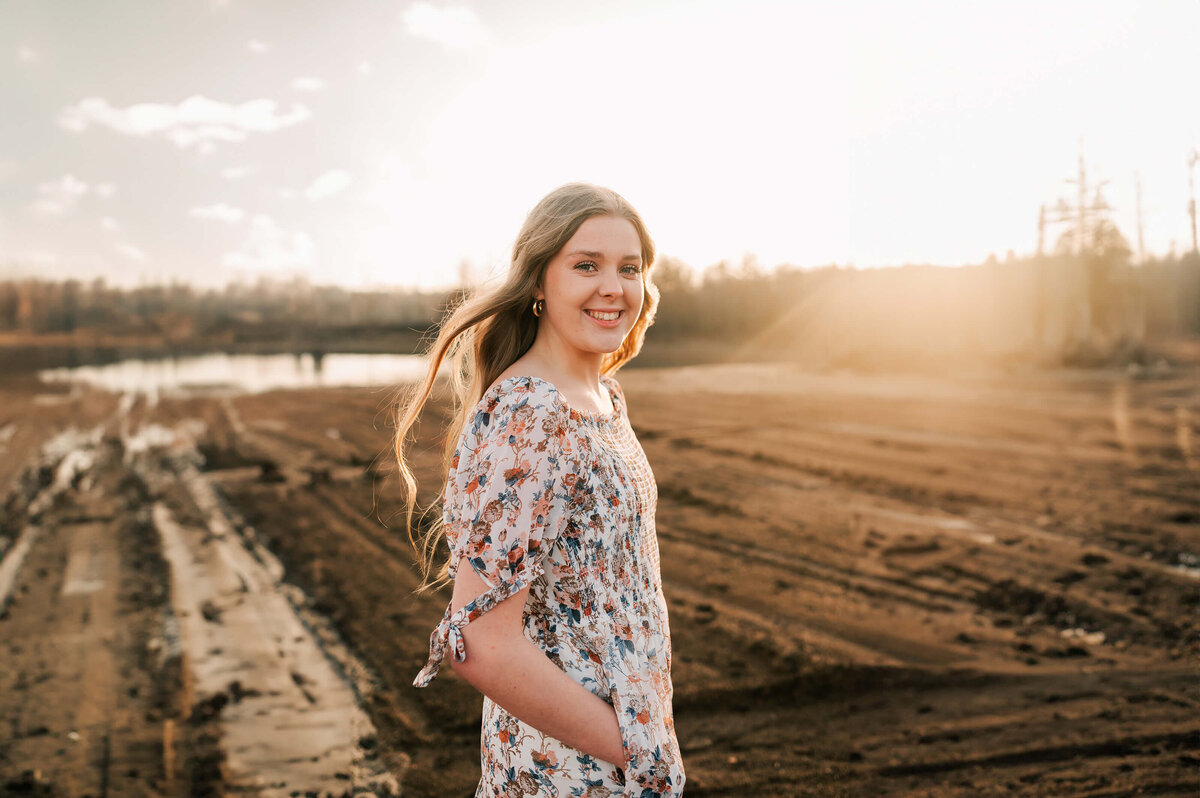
(610, 284)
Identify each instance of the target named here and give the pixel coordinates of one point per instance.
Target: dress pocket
(518, 759)
(653, 767)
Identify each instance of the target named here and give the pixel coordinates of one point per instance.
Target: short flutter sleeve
(505, 502)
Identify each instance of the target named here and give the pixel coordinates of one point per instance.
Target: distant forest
(1096, 306)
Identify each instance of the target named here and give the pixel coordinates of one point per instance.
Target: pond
(246, 373)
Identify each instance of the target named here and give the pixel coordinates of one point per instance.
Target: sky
(396, 143)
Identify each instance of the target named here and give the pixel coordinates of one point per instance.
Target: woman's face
(593, 286)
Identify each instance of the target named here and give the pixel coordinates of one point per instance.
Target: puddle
(85, 564)
(220, 373)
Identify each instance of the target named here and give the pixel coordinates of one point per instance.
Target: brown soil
(978, 585)
(89, 689)
(148, 647)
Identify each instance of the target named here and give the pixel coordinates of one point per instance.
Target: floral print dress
(563, 500)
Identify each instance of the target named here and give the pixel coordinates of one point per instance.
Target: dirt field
(878, 585)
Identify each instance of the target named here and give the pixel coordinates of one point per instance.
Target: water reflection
(250, 373)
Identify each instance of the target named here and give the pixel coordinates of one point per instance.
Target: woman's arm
(508, 668)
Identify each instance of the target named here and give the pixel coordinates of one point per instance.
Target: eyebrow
(592, 254)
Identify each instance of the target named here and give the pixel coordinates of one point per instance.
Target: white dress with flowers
(544, 495)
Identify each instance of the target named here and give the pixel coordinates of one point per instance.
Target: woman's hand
(511, 670)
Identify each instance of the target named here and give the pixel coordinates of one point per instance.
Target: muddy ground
(878, 585)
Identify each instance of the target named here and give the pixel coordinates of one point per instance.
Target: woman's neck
(569, 365)
(576, 375)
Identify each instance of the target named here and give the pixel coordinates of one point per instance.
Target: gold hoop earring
(538, 307)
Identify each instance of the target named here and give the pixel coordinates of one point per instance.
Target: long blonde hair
(485, 334)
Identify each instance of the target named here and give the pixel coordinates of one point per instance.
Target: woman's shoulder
(515, 404)
(519, 390)
(614, 389)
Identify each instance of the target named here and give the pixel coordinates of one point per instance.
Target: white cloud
(236, 172)
(131, 252)
(257, 46)
(456, 27)
(332, 182)
(365, 68)
(56, 197)
(26, 54)
(104, 190)
(219, 212)
(196, 120)
(270, 247)
(308, 84)
(110, 224)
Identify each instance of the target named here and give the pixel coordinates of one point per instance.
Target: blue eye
(587, 263)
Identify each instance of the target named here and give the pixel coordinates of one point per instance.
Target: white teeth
(595, 314)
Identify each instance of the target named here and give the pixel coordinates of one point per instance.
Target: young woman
(557, 615)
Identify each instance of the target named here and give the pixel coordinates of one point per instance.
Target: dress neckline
(609, 383)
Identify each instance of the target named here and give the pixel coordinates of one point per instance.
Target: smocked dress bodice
(562, 500)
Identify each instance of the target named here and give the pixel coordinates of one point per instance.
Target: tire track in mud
(343, 532)
(280, 447)
(82, 553)
(1183, 740)
(854, 729)
(850, 640)
(947, 437)
(409, 715)
(1006, 600)
(793, 564)
(87, 689)
(365, 588)
(794, 629)
(994, 522)
(288, 720)
(909, 492)
(397, 550)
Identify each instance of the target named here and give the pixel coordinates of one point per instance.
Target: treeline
(1089, 307)
(1086, 308)
(42, 307)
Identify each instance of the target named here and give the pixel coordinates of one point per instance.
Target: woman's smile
(605, 318)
